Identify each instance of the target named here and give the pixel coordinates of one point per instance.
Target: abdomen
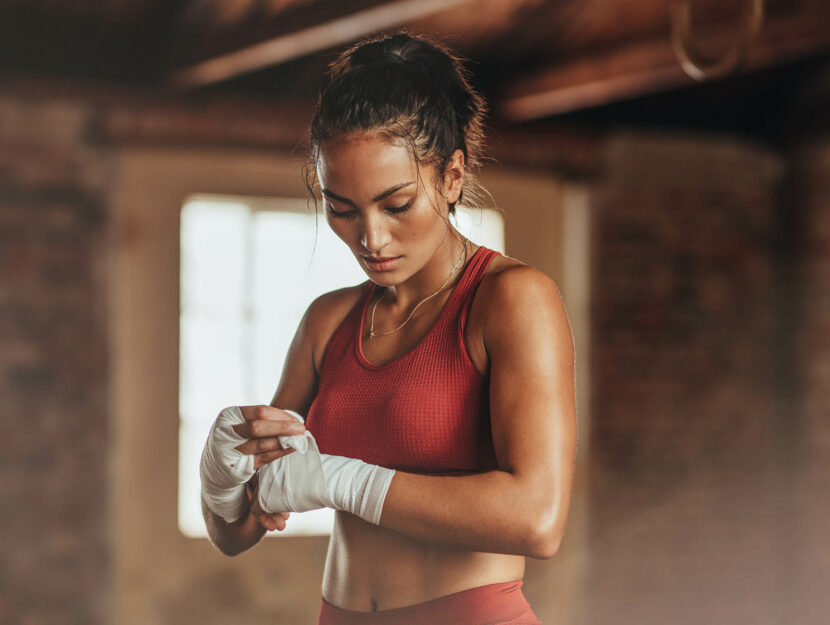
(369, 567)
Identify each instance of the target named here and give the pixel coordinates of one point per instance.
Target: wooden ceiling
(534, 59)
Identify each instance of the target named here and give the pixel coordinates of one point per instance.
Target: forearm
(496, 512)
(232, 538)
(492, 512)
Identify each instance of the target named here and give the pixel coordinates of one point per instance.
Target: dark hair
(405, 87)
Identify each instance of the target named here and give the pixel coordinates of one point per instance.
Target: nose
(374, 235)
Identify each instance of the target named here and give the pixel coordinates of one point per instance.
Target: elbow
(233, 552)
(546, 517)
(226, 545)
(545, 546)
(546, 535)
(229, 548)
(222, 546)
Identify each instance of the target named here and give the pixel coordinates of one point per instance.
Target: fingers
(270, 522)
(260, 445)
(260, 428)
(263, 459)
(279, 523)
(267, 413)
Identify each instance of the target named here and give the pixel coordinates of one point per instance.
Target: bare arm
(522, 507)
(295, 392)
(232, 538)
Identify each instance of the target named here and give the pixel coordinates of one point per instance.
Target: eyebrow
(383, 195)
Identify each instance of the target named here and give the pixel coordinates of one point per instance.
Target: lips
(381, 264)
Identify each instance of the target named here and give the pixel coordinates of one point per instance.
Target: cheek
(426, 224)
(340, 227)
(420, 222)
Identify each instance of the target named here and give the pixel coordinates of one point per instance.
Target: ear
(454, 176)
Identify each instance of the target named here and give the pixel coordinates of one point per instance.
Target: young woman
(439, 393)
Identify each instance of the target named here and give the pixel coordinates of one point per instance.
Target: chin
(384, 280)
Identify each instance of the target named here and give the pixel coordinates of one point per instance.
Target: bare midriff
(370, 568)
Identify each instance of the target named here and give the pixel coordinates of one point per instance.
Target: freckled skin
(359, 167)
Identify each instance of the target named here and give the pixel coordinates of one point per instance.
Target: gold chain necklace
(373, 334)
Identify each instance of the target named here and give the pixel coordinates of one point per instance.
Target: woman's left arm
(522, 507)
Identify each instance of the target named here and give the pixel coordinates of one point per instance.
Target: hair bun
(392, 57)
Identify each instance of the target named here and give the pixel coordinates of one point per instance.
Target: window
(239, 258)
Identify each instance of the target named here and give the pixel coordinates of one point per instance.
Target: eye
(349, 214)
(345, 215)
(400, 209)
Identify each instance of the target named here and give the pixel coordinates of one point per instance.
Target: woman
(451, 368)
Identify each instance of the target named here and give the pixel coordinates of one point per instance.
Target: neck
(443, 268)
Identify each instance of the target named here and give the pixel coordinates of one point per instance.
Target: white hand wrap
(225, 470)
(309, 480)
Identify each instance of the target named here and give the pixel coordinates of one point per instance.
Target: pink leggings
(492, 604)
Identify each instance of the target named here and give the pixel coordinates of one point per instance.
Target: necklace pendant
(371, 335)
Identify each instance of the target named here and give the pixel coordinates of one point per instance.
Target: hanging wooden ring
(693, 63)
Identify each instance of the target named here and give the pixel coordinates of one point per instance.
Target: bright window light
(247, 277)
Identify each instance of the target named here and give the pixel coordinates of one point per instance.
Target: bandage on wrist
(310, 480)
(224, 470)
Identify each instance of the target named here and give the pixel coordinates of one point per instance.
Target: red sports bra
(427, 411)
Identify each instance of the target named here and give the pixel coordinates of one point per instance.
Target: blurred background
(150, 178)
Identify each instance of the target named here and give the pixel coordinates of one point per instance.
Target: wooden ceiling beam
(340, 23)
(138, 116)
(642, 68)
(570, 149)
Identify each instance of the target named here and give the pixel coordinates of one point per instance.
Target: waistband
(502, 603)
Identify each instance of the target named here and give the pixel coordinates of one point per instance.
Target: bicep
(532, 394)
(298, 382)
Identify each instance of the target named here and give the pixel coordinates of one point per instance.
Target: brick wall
(57, 170)
(706, 473)
(53, 367)
(684, 518)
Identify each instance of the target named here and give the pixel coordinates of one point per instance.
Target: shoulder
(324, 308)
(301, 372)
(510, 281)
(325, 314)
(520, 303)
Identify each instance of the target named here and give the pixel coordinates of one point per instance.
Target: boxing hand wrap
(310, 480)
(225, 470)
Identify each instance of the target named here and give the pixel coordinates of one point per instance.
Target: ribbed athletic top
(426, 411)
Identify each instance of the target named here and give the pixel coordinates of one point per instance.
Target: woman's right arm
(233, 538)
(296, 391)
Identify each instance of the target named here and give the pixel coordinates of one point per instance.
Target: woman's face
(381, 203)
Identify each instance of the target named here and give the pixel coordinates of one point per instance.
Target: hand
(277, 521)
(263, 425)
(296, 483)
(311, 480)
(224, 468)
